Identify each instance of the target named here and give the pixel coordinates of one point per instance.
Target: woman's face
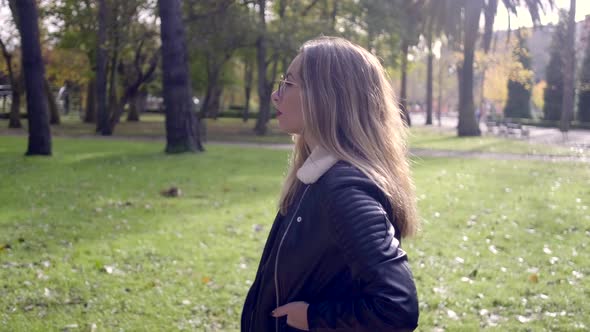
(287, 100)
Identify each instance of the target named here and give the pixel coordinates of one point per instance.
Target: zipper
(251, 321)
(279, 251)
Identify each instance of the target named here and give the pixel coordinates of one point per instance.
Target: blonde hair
(349, 108)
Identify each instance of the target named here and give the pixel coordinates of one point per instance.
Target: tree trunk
(114, 108)
(90, 114)
(208, 106)
(137, 106)
(263, 90)
(429, 80)
(440, 85)
(53, 109)
(34, 70)
(569, 71)
(468, 125)
(403, 93)
(14, 117)
(14, 121)
(182, 123)
(101, 70)
(248, 77)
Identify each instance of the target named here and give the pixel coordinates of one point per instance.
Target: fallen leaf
(206, 280)
(452, 315)
(534, 278)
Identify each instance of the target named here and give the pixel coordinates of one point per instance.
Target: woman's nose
(275, 97)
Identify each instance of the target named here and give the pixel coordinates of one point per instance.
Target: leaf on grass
(452, 315)
(206, 280)
(493, 249)
(41, 275)
(534, 278)
(70, 327)
(171, 192)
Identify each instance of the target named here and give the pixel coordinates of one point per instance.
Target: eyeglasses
(283, 84)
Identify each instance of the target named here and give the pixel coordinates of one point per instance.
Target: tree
(220, 28)
(520, 83)
(34, 70)
(182, 124)
(409, 24)
(468, 13)
(434, 25)
(102, 123)
(16, 86)
(584, 88)
(79, 32)
(569, 70)
(553, 96)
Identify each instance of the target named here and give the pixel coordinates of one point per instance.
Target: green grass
(235, 130)
(152, 126)
(433, 138)
(489, 229)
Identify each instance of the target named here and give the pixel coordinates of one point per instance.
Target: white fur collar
(318, 163)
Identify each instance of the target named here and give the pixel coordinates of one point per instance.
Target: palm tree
(468, 13)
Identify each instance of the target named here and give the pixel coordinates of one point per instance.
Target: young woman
(333, 261)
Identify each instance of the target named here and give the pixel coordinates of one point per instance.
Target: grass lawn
(235, 130)
(152, 126)
(433, 138)
(88, 240)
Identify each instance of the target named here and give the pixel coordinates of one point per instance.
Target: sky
(524, 18)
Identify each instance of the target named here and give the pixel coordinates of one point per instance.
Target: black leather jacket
(336, 250)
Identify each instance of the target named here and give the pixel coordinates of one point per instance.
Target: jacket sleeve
(388, 300)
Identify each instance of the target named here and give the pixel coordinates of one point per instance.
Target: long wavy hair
(350, 109)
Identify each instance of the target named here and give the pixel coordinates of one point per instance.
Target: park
(141, 168)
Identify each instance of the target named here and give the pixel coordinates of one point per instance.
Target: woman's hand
(296, 313)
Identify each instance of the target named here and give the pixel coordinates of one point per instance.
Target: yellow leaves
(66, 65)
(205, 280)
(538, 93)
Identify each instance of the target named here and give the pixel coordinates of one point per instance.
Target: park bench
(492, 126)
(507, 128)
(516, 129)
